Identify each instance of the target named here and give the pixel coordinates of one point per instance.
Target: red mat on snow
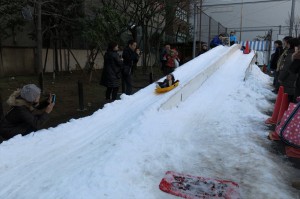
(193, 187)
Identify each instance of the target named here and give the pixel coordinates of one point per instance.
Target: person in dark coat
(286, 78)
(217, 40)
(280, 62)
(21, 118)
(295, 68)
(130, 56)
(163, 57)
(111, 72)
(275, 57)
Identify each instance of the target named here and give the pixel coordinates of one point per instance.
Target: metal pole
(209, 28)
(241, 23)
(280, 29)
(40, 45)
(247, 2)
(292, 18)
(200, 23)
(194, 41)
(270, 45)
(80, 95)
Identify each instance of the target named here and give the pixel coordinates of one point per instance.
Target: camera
(53, 98)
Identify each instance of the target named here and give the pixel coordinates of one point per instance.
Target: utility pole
(194, 40)
(241, 22)
(40, 45)
(292, 18)
(200, 22)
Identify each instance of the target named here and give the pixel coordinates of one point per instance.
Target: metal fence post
(80, 95)
(209, 29)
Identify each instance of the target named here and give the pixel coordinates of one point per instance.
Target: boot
(296, 184)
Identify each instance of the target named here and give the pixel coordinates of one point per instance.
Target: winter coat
(20, 119)
(232, 39)
(165, 83)
(275, 57)
(280, 61)
(216, 41)
(295, 68)
(287, 78)
(129, 59)
(171, 57)
(111, 70)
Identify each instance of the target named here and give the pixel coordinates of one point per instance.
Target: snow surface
(123, 150)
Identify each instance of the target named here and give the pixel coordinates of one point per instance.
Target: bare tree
(153, 18)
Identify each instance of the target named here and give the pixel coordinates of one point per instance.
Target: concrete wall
(80, 55)
(21, 61)
(16, 61)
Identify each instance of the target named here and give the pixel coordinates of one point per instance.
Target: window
(181, 14)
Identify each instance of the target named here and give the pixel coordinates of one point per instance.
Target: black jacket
(287, 78)
(20, 119)
(275, 57)
(295, 68)
(111, 70)
(129, 59)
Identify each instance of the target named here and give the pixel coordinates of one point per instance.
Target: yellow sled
(166, 89)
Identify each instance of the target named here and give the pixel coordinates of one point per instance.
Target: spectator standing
(295, 68)
(130, 57)
(111, 72)
(275, 57)
(286, 78)
(163, 57)
(216, 41)
(134, 67)
(280, 62)
(172, 61)
(22, 117)
(203, 49)
(232, 38)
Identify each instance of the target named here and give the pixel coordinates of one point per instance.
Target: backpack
(290, 130)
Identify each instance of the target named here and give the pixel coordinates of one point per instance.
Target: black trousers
(127, 84)
(111, 93)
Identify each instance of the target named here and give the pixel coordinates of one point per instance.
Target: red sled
(193, 187)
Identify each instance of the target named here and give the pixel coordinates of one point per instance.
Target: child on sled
(169, 81)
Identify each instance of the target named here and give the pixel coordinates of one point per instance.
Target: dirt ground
(65, 86)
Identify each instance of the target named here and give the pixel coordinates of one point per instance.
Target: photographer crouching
(22, 117)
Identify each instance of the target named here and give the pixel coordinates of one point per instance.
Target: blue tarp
(258, 45)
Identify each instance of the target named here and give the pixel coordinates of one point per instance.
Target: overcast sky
(253, 15)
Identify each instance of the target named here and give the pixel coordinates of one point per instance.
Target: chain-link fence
(206, 27)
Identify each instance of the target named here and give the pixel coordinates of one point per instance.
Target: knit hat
(30, 92)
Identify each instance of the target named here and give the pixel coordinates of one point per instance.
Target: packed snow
(123, 150)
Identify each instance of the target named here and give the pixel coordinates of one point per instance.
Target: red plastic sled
(193, 187)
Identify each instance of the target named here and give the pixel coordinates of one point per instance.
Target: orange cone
(283, 107)
(247, 50)
(264, 68)
(292, 152)
(273, 119)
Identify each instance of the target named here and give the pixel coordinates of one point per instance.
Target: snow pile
(124, 149)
